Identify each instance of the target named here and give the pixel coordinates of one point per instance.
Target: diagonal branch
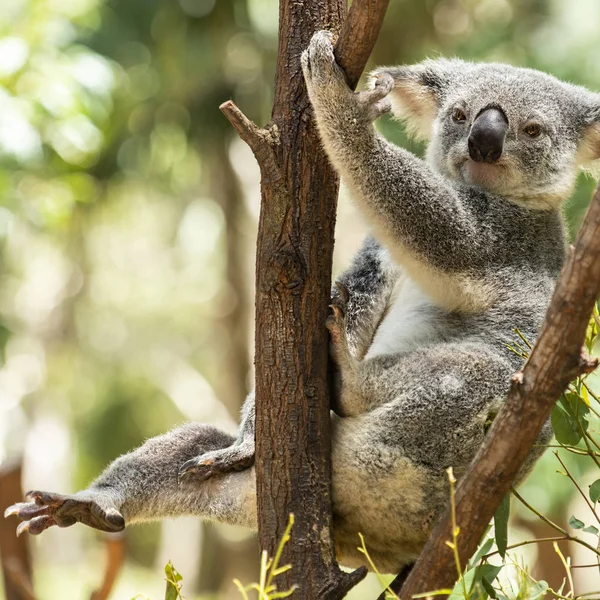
(358, 36)
(554, 361)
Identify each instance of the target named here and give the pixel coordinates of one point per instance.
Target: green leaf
(501, 525)
(591, 529)
(489, 588)
(458, 590)
(483, 582)
(595, 491)
(537, 591)
(173, 591)
(490, 572)
(575, 523)
(482, 551)
(565, 427)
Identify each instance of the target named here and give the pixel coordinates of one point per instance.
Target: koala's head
(515, 132)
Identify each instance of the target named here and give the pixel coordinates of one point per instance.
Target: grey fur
(460, 255)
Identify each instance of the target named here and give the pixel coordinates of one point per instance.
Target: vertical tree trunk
(293, 274)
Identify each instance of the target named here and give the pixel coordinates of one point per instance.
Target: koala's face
(514, 132)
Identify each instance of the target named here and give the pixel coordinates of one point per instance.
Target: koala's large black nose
(486, 138)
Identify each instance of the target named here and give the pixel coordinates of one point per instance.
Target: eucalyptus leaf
(501, 525)
(467, 581)
(565, 427)
(595, 491)
(489, 588)
(591, 529)
(575, 523)
(481, 551)
(173, 590)
(537, 591)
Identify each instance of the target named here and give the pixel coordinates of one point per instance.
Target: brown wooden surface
(555, 360)
(14, 551)
(293, 281)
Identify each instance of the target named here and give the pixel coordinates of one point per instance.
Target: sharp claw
(188, 468)
(343, 291)
(35, 496)
(25, 510)
(11, 510)
(22, 528)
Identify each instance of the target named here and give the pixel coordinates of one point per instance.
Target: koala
(466, 245)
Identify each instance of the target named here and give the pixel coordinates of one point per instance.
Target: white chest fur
(410, 321)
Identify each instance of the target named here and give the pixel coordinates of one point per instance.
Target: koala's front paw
(322, 74)
(329, 91)
(218, 462)
(42, 510)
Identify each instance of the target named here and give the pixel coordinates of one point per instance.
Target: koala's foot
(42, 510)
(328, 88)
(218, 462)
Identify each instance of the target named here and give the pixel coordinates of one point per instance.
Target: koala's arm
(369, 281)
(424, 221)
(146, 485)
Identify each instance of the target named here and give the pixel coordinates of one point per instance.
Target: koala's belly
(411, 321)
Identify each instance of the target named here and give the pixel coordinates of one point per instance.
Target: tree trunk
(293, 280)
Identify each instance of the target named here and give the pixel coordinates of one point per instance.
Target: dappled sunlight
(128, 218)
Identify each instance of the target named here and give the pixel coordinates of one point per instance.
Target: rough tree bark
(555, 360)
(293, 272)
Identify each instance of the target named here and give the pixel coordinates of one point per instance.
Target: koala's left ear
(419, 90)
(589, 145)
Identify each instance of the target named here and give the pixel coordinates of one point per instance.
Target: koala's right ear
(419, 90)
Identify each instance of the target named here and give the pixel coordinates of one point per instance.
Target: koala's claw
(339, 307)
(218, 462)
(318, 61)
(376, 99)
(343, 296)
(42, 510)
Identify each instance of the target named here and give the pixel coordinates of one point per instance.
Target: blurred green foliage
(114, 286)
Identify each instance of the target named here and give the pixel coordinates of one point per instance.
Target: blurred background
(128, 212)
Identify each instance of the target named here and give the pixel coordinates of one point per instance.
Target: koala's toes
(375, 99)
(318, 62)
(218, 462)
(383, 84)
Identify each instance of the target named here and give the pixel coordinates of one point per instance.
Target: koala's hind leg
(144, 485)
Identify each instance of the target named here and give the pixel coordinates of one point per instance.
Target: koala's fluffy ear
(589, 146)
(419, 91)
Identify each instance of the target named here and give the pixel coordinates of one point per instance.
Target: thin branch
(527, 543)
(260, 141)
(539, 514)
(566, 534)
(555, 360)
(581, 492)
(567, 566)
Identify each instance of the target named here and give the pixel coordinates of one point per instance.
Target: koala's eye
(458, 115)
(533, 130)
